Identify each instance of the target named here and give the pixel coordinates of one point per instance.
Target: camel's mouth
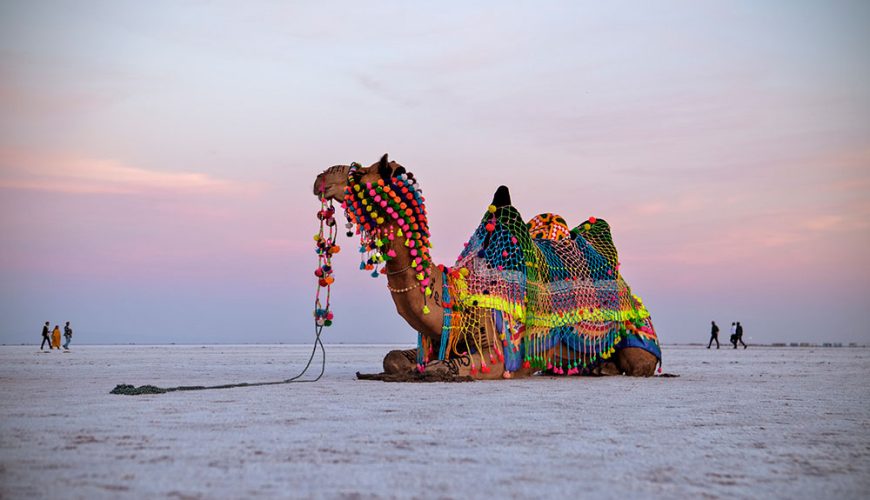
(331, 183)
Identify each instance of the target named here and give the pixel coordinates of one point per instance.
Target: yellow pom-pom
(316, 237)
(491, 209)
(425, 309)
(587, 227)
(380, 220)
(428, 292)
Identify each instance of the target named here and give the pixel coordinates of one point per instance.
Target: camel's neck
(391, 217)
(419, 307)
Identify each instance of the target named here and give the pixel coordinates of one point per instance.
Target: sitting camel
(522, 298)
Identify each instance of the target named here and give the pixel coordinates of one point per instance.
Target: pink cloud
(84, 175)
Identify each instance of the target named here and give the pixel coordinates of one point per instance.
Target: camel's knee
(636, 362)
(608, 368)
(400, 361)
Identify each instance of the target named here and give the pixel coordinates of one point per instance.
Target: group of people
(52, 337)
(736, 335)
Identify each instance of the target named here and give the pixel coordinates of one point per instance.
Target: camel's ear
(384, 168)
(502, 197)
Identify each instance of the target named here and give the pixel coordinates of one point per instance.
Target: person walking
(733, 338)
(714, 335)
(45, 337)
(67, 334)
(55, 337)
(739, 333)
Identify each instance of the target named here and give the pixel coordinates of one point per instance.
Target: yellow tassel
(425, 309)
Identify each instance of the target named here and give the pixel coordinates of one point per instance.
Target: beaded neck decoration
(383, 213)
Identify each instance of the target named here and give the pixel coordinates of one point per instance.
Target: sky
(157, 158)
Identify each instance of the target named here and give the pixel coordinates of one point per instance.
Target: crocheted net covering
(523, 289)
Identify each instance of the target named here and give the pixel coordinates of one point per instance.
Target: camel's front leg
(397, 361)
(465, 365)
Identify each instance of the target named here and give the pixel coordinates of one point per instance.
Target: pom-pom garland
(387, 213)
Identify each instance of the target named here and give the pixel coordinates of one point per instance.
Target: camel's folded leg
(461, 366)
(400, 361)
(636, 362)
(604, 367)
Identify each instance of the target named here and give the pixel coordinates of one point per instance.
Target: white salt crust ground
(762, 422)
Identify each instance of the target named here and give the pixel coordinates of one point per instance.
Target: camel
(521, 327)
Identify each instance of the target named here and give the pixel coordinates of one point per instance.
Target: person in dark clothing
(733, 338)
(45, 337)
(67, 334)
(739, 336)
(714, 335)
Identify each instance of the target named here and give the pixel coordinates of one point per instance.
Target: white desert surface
(757, 423)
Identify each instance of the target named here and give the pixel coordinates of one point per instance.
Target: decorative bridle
(389, 211)
(385, 212)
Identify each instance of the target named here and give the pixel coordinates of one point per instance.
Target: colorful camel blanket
(521, 290)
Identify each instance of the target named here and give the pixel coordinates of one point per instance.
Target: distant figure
(739, 336)
(67, 334)
(714, 335)
(45, 337)
(734, 334)
(55, 337)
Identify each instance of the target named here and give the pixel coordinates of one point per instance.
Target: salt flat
(762, 422)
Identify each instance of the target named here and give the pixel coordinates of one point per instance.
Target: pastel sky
(157, 158)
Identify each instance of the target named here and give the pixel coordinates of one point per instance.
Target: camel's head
(332, 182)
